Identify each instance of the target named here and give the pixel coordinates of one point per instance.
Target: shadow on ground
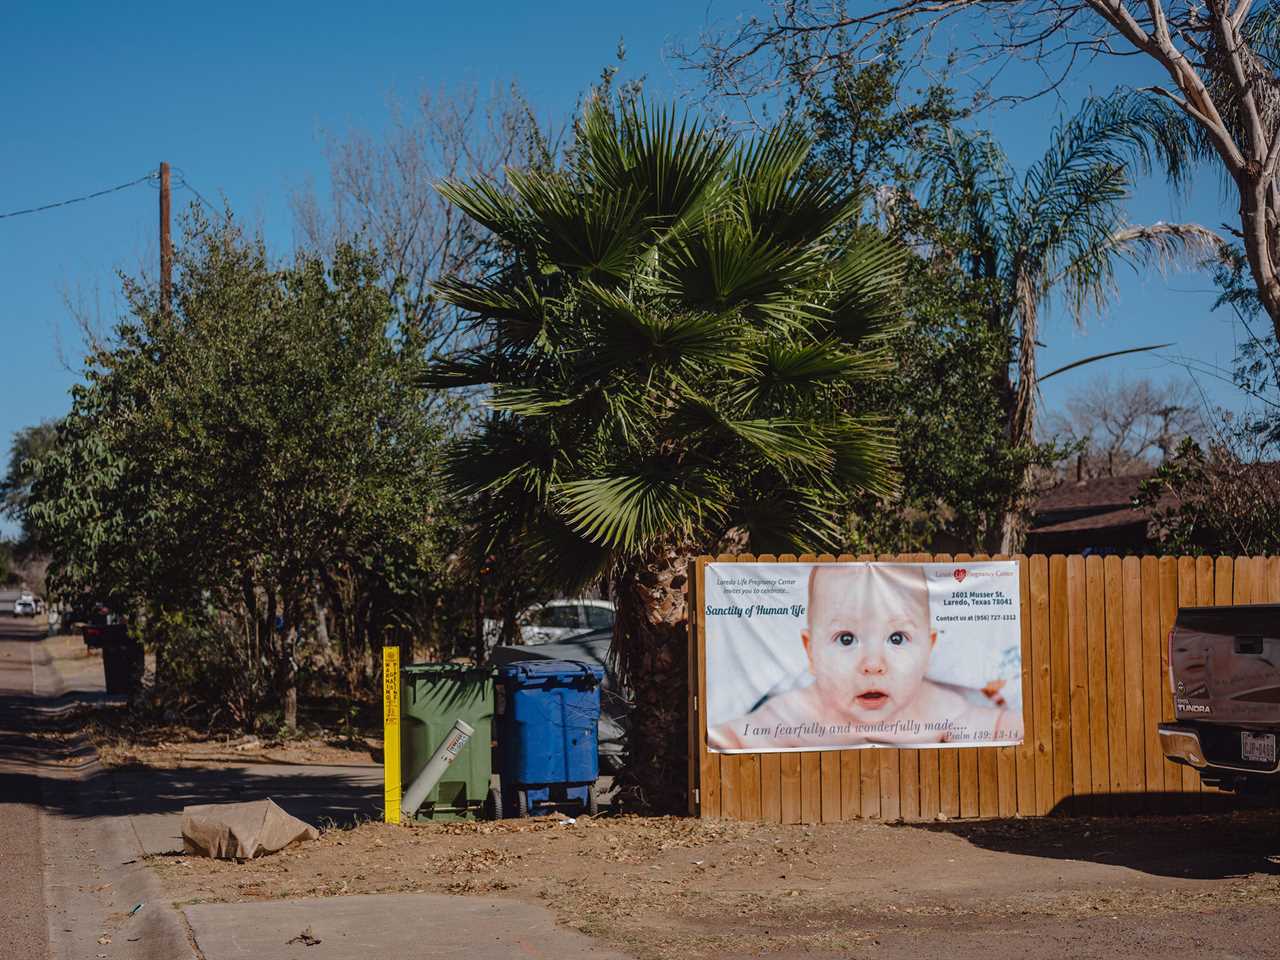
(1204, 846)
(41, 749)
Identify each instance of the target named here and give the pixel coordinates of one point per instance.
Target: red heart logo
(960, 573)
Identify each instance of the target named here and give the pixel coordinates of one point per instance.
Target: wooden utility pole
(166, 248)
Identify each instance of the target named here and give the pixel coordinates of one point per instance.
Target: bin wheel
(593, 802)
(522, 803)
(493, 804)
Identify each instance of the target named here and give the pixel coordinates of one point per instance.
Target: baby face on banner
(868, 639)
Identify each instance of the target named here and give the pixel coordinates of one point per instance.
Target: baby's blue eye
(846, 639)
(898, 638)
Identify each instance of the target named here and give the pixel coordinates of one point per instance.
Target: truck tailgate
(1225, 664)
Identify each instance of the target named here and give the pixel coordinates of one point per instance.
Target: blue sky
(237, 98)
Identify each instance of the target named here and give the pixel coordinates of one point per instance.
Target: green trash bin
(432, 697)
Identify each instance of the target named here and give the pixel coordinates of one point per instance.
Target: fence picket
(1078, 668)
(869, 772)
(709, 774)
(770, 764)
(1113, 570)
(1152, 678)
(730, 763)
(789, 774)
(1060, 679)
(1026, 753)
(1135, 742)
(1043, 729)
(850, 764)
(810, 766)
(829, 766)
(1099, 756)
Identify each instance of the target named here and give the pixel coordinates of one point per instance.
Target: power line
(88, 196)
(184, 182)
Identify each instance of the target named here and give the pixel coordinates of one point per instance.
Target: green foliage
(266, 440)
(675, 349)
(951, 390)
(28, 445)
(1215, 501)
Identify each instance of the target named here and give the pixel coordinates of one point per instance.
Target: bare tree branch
(383, 193)
(1221, 59)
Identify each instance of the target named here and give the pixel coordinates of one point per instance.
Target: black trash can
(123, 659)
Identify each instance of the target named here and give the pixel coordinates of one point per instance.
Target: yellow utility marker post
(391, 733)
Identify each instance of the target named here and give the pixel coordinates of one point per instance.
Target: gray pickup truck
(1224, 666)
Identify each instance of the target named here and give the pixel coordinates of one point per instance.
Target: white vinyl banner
(832, 656)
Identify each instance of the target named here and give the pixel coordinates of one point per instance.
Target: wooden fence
(1094, 679)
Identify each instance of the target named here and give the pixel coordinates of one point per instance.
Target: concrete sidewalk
(99, 823)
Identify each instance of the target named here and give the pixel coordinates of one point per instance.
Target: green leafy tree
(29, 444)
(672, 358)
(247, 449)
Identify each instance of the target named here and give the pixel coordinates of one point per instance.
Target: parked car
(591, 648)
(556, 620)
(1224, 668)
(24, 606)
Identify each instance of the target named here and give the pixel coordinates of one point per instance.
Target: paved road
(23, 929)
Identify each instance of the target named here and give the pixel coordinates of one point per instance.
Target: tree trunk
(322, 619)
(1022, 419)
(650, 646)
(287, 678)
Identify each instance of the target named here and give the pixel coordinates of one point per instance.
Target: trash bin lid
(550, 670)
(443, 669)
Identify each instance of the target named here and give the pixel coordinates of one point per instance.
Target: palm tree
(1059, 230)
(670, 357)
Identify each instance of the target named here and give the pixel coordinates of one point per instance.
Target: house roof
(1097, 493)
(1097, 521)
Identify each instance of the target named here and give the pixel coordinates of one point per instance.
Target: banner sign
(834, 656)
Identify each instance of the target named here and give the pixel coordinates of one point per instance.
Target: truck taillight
(1172, 688)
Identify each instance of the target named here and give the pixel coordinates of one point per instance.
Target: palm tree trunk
(1022, 421)
(650, 647)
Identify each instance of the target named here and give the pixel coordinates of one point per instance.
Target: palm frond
(499, 457)
(729, 266)
(866, 290)
(526, 401)
(969, 187)
(1088, 276)
(628, 511)
(660, 155)
(783, 370)
(463, 370)
(865, 452)
(1167, 245)
(593, 234)
(632, 332)
(519, 307)
(788, 444)
(788, 522)
(483, 201)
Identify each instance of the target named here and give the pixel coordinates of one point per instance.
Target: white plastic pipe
(445, 754)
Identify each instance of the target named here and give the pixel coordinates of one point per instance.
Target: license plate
(1260, 747)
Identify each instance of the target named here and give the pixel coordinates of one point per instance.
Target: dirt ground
(682, 889)
(677, 888)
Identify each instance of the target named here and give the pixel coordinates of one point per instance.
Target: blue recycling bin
(548, 713)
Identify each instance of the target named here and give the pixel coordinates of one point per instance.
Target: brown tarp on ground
(241, 831)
